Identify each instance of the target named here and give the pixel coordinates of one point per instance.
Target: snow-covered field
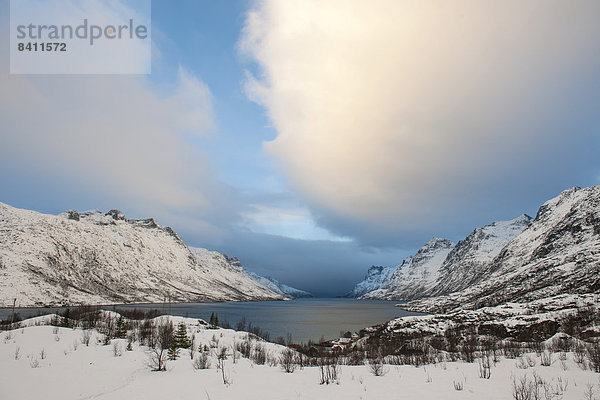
(46, 362)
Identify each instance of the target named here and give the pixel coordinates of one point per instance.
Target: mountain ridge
(558, 253)
(97, 258)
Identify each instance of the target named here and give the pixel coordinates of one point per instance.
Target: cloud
(116, 140)
(397, 121)
(325, 268)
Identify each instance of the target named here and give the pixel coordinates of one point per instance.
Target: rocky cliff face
(452, 268)
(416, 275)
(558, 253)
(97, 258)
(376, 277)
(467, 262)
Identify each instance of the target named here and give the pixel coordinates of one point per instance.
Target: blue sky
(325, 136)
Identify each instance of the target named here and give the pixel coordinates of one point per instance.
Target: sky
(314, 139)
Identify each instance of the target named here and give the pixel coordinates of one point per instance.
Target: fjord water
(305, 319)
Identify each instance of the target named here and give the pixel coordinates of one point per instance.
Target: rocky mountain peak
(117, 215)
(437, 243)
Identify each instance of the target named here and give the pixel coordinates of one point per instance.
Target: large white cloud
(400, 117)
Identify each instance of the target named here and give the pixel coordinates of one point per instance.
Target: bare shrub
(221, 357)
(521, 363)
(245, 347)
(546, 359)
(458, 385)
(589, 393)
(468, 348)
(594, 356)
(17, 354)
(521, 388)
(272, 361)
(526, 389)
(357, 358)
(163, 341)
(579, 354)
(117, 349)
(562, 385)
(34, 362)
(485, 370)
(259, 355)
(201, 361)
(329, 370)
(511, 349)
(86, 335)
(288, 360)
(377, 366)
(192, 348)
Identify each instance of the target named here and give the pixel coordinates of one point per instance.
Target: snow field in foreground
(45, 362)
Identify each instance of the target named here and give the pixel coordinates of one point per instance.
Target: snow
(278, 287)
(72, 370)
(559, 252)
(376, 277)
(511, 315)
(416, 274)
(93, 258)
(468, 260)
(440, 266)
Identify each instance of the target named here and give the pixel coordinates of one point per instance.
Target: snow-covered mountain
(440, 267)
(376, 277)
(416, 275)
(558, 253)
(467, 261)
(97, 258)
(278, 287)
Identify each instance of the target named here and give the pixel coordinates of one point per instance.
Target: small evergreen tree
(56, 320)
(173, 351)
(66, 321)
(121, 330)
(181, 337)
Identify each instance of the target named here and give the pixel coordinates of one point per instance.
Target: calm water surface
(304, 319)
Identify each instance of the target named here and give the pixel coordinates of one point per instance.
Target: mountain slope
(467, 261)
(94, 258)
(376, 277)
(416, 275)
(558, 253)
(278, 287)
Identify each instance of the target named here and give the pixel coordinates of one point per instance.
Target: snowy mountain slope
(269, 283)
(558, 253)
(278, 287)
(416, 275)
(376, 277)
(464, 264)
(94, 258)
(467, 261)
